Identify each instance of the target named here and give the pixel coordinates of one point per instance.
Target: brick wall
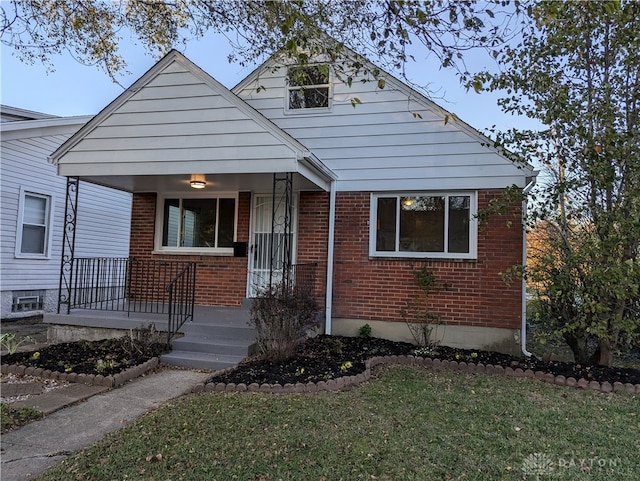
(313, 234)
(378, 289)
(364, 288)
(220, 280)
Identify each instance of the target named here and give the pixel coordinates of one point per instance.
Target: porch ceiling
(180, 182)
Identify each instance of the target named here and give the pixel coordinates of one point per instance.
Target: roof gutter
(523, 327)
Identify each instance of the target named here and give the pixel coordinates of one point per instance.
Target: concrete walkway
(34, 448)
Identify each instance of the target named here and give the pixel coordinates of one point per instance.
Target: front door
(260, 253)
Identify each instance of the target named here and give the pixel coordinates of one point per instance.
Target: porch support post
(281, 216)
(65, 287)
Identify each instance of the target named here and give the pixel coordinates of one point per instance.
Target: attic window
(308, 87)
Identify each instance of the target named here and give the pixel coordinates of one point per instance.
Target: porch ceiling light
(198, 184)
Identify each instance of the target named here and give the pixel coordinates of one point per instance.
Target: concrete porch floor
(92, 318)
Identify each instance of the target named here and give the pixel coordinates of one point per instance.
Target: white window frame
(48, 225)
(288, 88)
(473, 226)
(219, 251)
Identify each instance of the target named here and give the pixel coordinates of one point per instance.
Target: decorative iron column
(65, 287)
(281, 217)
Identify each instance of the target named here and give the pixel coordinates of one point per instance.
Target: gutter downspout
(523, 327)
(332, 228)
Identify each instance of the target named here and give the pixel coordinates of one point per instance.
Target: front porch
(216, 337)
(107, 297)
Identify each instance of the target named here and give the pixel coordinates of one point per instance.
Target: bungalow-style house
(33, 202)
(295, 175)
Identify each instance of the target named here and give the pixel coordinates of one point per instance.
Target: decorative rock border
(435, 364)
(114, 380)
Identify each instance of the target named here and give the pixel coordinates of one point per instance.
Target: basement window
(27, 301)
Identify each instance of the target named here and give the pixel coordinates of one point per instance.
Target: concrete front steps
(207, 345)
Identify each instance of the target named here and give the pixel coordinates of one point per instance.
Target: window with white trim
(439, 225)
(197, 223)
(34, 225)
(308, 87)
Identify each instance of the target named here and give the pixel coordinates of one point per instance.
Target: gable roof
(392, 82)
(16, 114)
(177, 119)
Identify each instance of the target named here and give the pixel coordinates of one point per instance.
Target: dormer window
(308, 87)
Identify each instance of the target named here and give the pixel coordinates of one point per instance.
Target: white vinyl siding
(424, 225)
(180, 122)
(103, 221)
(393, 140)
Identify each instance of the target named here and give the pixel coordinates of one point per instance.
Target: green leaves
(576, 72)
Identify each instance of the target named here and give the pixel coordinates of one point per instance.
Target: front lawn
(407, 424)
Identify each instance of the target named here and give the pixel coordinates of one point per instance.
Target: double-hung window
(203, 224)
(439, 225)
(34, 225)
(308, 87)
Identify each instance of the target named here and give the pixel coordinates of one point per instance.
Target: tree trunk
(606, 353)
(586, 350)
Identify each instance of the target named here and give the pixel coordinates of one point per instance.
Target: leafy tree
(91, 30)
(576, 70)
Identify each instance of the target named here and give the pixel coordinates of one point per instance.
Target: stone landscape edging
(408, 360)
(114, 380)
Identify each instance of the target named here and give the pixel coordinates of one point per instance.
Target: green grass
(13, 417)
(407, 424)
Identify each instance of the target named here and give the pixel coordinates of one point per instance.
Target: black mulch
(106, 357)
(329, 357)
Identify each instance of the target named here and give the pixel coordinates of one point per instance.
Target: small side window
(34, 225)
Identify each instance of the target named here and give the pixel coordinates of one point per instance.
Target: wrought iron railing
(154, 287)
(302, 277)
(135, 286)
(181, 292)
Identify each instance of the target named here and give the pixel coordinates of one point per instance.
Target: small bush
(141, 342)
(421, 321)
(365, 331)
(281, 318)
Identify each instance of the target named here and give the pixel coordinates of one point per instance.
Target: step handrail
(181, 292)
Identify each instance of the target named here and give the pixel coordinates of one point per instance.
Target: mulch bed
(106, 357)
(322, 358)
(330, 357)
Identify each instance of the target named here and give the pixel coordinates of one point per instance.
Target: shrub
(141, 342)
(421, 321)
(281, 318)
(365, 331)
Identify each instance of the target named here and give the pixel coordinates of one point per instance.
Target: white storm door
(260, 245)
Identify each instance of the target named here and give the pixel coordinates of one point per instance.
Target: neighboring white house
(32, 212)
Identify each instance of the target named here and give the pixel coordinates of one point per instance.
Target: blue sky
(75, 89)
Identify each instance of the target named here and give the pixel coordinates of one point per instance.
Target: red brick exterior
(220, 280)
(364, 288)
(313, 235)
(379, 289)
